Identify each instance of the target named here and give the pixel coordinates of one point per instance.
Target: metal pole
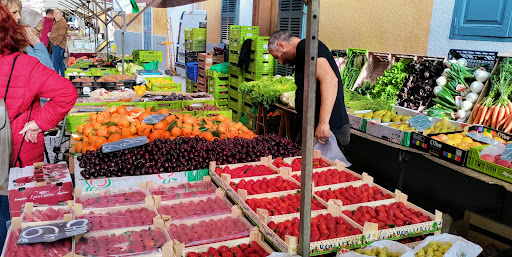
(308, 126)
(106, 26)
(123, 29)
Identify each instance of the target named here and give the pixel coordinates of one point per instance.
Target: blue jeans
(5, 215)
(58, 59)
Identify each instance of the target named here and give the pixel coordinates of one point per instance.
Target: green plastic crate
(235, 44)
(237, 116)
(195, 34)
(226, 113)
(238, 32)
(261, 66)
(235, 80)
(215, 74)
(195, 45)
(257, 76)
(247, 99)
(103, 71)
(234, 56)
(218, 82)
(190, 102)
(165, 87)
(223, 104)
(262, 56)
(169, 105)
(214, 89)
(147, 56)
(475, 162)
(247, 108)
(260, 44)
(252, 118)
(235, 104)
(128, 104)
(233, 93)
(75, 119)
(235, 70)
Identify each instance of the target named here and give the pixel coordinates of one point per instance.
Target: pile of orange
(117, 123)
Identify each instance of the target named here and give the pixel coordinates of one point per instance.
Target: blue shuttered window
(291, 17)
(482, 20)
(229, 16)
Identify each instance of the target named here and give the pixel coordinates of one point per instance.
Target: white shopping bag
(331, 150)
(392, 246)
(460, 247)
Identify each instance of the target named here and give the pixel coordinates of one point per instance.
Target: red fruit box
(295, 162)
(254, 240)
(61, 248)
(193, 208)
(115, 197)
(147, 241)
(36, 216)
(367, 180)
(209, 229)
(350, 176)
(175, 191)
(271, 182)
(119, 216)
(434, 224)
(41, 184)
(217, 177)
(347, 234)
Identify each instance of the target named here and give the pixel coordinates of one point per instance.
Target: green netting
(151, 65)
(221, 68)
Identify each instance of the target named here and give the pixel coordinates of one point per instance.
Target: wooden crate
(254, 236)
(472, 219)
(79, 211)
(291, 243)
(29, 209)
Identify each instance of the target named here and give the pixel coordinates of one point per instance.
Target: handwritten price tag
(420, 122)
(98, 109)
(53, 232)
(154, 119)
(124, 144)
(483, 139)
(507, 154)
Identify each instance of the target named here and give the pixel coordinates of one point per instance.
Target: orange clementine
(167, 134)
(188, 119)
(122, 110)
(100, 141)
(156, 134)
(143, 115)
(102, 117)
(80, 128)
(113, 130)
(123, 123)
(126, 132)
(93, 116)
(163, 111)
(160, 125)
(175, 132)
(101, 132)
(133, 128)
(207, 135)
(112, 109)
(87, 129)
(114, 137)
(186, 132)
(78, 147)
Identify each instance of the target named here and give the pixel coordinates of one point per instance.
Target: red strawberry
(212, 251)
(223, 249)
(227, 254)
(192, 254)
(205, 254)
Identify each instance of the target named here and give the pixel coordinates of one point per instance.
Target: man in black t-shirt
(330, 112)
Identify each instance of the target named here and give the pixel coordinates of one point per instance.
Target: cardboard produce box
(41, 184)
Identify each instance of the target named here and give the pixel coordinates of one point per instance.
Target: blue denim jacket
(39, 51)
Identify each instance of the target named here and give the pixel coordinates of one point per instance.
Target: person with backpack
(23, 81)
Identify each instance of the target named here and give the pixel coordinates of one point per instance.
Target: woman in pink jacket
(29, 80)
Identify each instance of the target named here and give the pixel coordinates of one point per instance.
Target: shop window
(488, 20)
(291, 17)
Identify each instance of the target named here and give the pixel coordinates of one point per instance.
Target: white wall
(245, 13)
(439, 42)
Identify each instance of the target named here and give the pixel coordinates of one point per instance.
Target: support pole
(123, 29)
(106, 26)
(308, 126)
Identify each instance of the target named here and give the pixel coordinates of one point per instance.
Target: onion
(481, 75)
(441, 81)
(445, 72)
(472, 97)
(462, 62)
(461, 114)
(466, 105)
(476, 86)
(437, 90)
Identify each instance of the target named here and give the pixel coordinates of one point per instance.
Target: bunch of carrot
(497, 114)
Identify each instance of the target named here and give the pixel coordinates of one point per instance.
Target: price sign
(507, 154)
(154, 119)
(420, 122)
(53, 232)
(481, 138)
(98, 109)
(124, 144)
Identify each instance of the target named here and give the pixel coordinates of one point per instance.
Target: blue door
(485, 18)
(148, 28)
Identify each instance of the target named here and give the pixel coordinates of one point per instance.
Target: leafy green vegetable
(391, 82)
(268, 91)
(357, 102)
(356, 58)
